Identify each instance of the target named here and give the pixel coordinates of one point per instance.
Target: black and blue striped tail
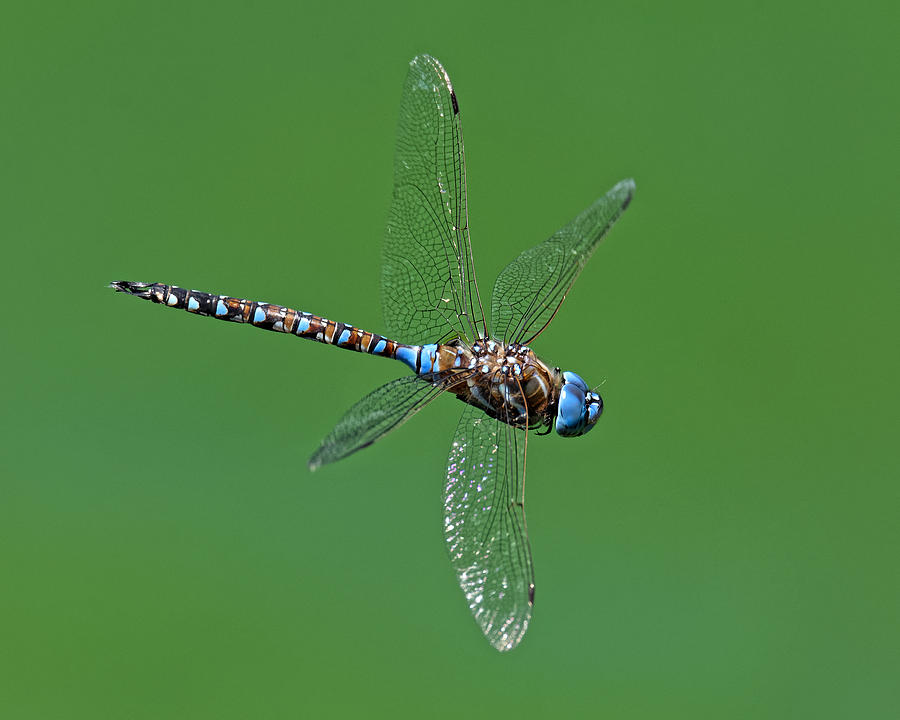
(273, 317)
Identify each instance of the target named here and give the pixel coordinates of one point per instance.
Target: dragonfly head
(579, 408)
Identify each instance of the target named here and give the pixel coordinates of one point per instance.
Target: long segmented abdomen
(267, 316)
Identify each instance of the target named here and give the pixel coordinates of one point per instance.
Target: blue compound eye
(594, 409)
(571, 378)
(570, 413)
(578, 409)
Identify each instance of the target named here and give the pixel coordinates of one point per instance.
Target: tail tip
(132, 288)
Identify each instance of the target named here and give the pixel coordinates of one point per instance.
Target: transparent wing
(484, 526)
(531, 288)
(428, 276)
(375, 416)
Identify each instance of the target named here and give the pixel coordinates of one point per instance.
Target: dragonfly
(437, 326)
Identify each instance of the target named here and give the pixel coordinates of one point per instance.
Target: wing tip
(627, 187)
(436, 67)
(620, 195)
(507, 638)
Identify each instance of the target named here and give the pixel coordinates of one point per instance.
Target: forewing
(484, 526)
(375, 416)
(428, 276)
(531, 288)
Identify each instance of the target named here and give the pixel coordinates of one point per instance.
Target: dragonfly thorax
(507, 381)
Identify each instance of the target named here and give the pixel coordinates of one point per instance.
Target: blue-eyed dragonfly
(435, 314)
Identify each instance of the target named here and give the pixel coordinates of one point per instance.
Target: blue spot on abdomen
(429, 356)
(407, 355)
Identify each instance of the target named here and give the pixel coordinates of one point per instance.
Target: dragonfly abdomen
(281, 319)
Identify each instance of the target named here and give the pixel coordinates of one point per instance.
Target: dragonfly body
(508, 382)
(441, 331)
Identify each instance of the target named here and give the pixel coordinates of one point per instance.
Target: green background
(723, 545)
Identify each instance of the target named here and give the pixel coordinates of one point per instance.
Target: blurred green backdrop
(723, 545)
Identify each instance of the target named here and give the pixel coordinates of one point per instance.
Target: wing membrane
(428, 275)
(484, 526)
(375, 416)
(531, 288)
